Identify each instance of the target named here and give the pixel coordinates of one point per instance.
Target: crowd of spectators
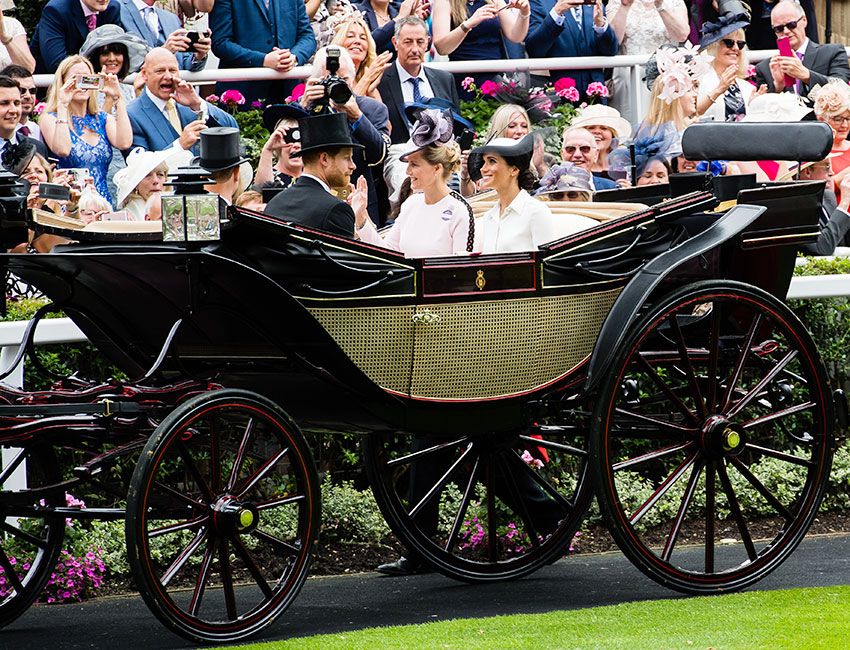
(95, 118)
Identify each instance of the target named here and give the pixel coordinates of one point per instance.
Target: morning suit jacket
(244, 31)
(823, 61)
(832, 233)
(547, 39)
(442, 83)
(308, 203)
(134, 23)
(62, 31)
(151, 129)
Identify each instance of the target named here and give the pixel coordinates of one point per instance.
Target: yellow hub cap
(731, 439)
(246, 518)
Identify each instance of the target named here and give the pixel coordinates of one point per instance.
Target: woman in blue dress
(76, 131)
(475, 30)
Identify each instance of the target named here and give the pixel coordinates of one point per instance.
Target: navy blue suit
(151, 129)
(244, 31)
(134, 23)
(547, 39)
(62, 31)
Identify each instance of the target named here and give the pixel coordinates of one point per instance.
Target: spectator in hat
(161, 28)
(408, 80)
(222, 157)
(723, 93)
(812, 64)
(169, 112)
(254, 34)
(26, 126)
(141, 183)
(111, 50)
(832, 105)
(565, 182)
(13, 43)
(608, 129)
(327, 151)
(578, 146)
(63, 28)
(277, 166)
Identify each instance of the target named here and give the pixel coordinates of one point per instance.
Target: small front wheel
(222, 514)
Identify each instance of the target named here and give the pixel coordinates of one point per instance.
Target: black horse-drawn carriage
(649, 361)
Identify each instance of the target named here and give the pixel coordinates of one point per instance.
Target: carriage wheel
(29, 543)
(712, 438)
(482, 508)
(222, 514)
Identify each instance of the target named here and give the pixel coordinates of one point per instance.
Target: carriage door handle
(426, 317)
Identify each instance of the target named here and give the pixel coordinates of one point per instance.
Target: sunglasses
(731, 42)
(778, 29)
(28, 91)
(585, 149)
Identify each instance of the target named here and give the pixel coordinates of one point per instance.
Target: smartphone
(89, 82)
(78, 175)
(54, 191)
(465, 140)
(120, 215)
(784, 46)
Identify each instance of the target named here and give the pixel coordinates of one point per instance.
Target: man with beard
(26, 126)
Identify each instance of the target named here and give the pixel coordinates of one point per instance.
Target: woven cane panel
(379, 340)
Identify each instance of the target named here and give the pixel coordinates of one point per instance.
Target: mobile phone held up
(784, 46)
(89, 82)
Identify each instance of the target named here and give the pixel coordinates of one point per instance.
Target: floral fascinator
(661, 144)
(678, 68)
(831, 99)
(565, 177)
(433, 127)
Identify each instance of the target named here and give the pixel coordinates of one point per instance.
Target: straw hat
(776, 107)
(601, 115)
(140, 163)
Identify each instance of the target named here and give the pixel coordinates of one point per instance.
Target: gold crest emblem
(480, 281)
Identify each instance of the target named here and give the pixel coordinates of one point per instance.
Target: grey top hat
(220, 149)
(107, 34)
(324, 131)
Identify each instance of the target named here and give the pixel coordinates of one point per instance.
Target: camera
(336, 90)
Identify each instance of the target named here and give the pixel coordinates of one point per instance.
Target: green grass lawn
(797, 618)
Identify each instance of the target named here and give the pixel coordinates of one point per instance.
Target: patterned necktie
(91, 21)
(417, 95)
(24, 131)
(173, 116)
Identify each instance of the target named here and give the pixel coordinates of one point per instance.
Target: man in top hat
(221, 157)
(327, 152)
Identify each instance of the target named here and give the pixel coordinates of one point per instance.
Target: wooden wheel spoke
(521, 508)
(227, 581)
(282, 501)
(688, 366)
(240, 456)
(419, 455)
(490, 488)
(655, 422)
(547, 487)
(468, 493)
(778, 415)
(279, 544)
(668, 392)
(780, 455)
(180, 496)
(556, 446)
(193, 470)
(662, 489)
(215, 456)
(203, 577)
(10, 573)
(758, 388)
(735, 509)
(173, 528)
(261, 472)
(251, 564)
(183, 557)
(652, 455)
(22, 534)
(709, 516)
(761, 488)
(441, 483)
(713, 356)
(739, 364)
(684, 504)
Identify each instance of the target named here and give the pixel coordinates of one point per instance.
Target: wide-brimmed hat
(830, 99)
(137, 48)
(140, 163)
(320, 132)
(459, 122)
(565, 177)
(220, 149)
(776, 107)
(518, 151)
(728, 23)
(601, 115)
(274, 113)
(432, 127)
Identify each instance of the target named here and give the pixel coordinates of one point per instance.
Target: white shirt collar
(159, 103)
(517, 205)
(803, 47)
(324, 185)
(404, 75)
(86, 11)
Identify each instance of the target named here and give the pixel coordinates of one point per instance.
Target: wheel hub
(232, 516)
(721, 437)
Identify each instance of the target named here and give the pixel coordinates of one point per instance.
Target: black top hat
(319, 132)
(274, 113)
(219, 149)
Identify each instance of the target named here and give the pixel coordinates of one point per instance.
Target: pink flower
(467, 83)
(545, 105)
(257, 104)
(570, 94)
(563, 83)
(751, 71)
(39, 108)
(298, 91)
(597, 89)
(489, 88)
(233, 97)
(212, 98)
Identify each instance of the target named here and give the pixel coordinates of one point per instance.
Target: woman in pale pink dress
(433, 221)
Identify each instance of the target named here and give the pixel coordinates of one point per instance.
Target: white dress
(645, 33)
(708, 82)
(13, 28)
(525, 224)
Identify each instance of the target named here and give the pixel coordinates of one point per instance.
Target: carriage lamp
(191, 213)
